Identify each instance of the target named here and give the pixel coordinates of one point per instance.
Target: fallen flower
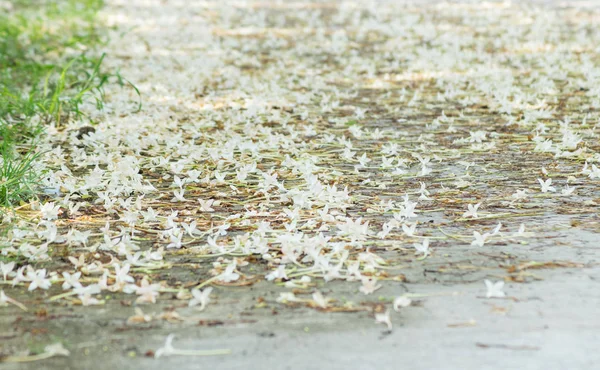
(480, 239)
(384, 318)
(400, 302)
(6, 269)
(471, 211)
(38, 279)
(422, 247)
(409, 230)
(494, 290)
(229, 274)
(320, 300)
(147, 292)
(71, 280)
(206, 205)
(277, 274)
(201, 297)
(139, 317)
(546, 185)
(49, 211)
(85, 294)
(567, 191)
(169, 350)
(5, 300)
(51, 350)
(369, 285)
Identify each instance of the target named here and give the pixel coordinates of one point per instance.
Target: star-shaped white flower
(369, 285)
(201, 297)
(423, 247)
(480, 239)
(494, 290)
(471, 211)
(546, 185)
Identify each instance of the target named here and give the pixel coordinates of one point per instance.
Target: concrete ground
(548, 319)
(549, 324)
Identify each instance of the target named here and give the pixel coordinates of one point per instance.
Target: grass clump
(17, 174)
(47, 71)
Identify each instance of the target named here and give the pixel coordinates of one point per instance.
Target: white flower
(85, 294)
(77, 262)
(477, 136)
(424, 192)
(369, 285)
(139, 316)
(567, 191)
(5, 300)
(320, 300)
(219, 177)
(178, 196)
(423, 247)
(480, 239)
(546, 185)
(354, 229)
(179, 182)
(364, 160)
(494, 290)
(191, 228)
(229, 274)
(168, 349)
(201, 297)
(50, 211)
(78, 237)
(285, 297)
(277, 274)
(409, 230)
(149, 215)
(175, 240)
(156, 255)
(71, 281)
(129, 217)
(193, 175)
(594, 173)
(122, 275)
(50, 234)
(56, 349)
(384, 318)
(205, 205)
(497, 229)
(402, 301)
(471, 211)
(386, 229)
(407, 210)
(521, 231)
(6, 268)
(520, 194)
(425, 171)
(38, 279)
(360, 113)
(324, 214)
(147, 292)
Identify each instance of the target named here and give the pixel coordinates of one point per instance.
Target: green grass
(17, 176)
(48, 69)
